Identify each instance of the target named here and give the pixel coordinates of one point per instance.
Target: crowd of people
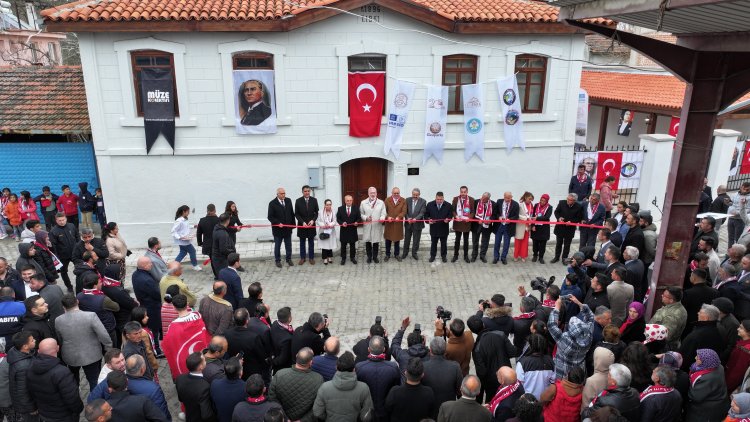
(583, 350)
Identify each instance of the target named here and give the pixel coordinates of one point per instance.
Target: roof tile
(51, 99)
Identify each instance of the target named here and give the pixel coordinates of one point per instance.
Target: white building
(310, 51)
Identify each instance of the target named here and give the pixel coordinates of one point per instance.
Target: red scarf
(41, 246)
(529, 209)
(627, 322)
(108, 282)
(380, 356)
(539, 210)
(95, 292)
(549, 303)
(653, 390)
(264, 320)
(581, 179)
(2, 355)
(526, 315)
(254, 400)
(502, 394)
(602, 394)
(481, 211)
(287, 327)
(694, 376)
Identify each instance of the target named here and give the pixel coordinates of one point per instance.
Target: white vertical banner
(582, 119)
(473, 121)
(510, 105)
(436, 121)
(397, 115)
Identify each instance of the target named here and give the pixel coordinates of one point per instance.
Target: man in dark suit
(581, 183)
(593, 214)
(205, 233)
(306, 211)
(415, 209)
(507, 209)
(599, 263)
(231, 277)
(347, 215)
(463, 209)
(440, 213)
(281, 339)
(466, 408)
(568, 211)
(221, 245)
(280, 211)
(195, 392)
(254, 110)
(634, 237)
(241, 339)
(634, 273)
(147, 293)
(486, 210)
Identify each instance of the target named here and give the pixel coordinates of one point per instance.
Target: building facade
(311, 52)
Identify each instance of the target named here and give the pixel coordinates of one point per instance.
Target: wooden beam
(603, 128)
(651, 127)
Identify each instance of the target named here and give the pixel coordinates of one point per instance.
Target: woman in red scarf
(526, 210)
(540, 232)
(739, 360)
(633, 327)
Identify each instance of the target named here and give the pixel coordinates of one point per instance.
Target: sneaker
(197, 268)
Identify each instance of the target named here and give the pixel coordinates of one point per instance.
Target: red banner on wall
(745, 168)
(674, 126)
(366, 97)
(608, 164)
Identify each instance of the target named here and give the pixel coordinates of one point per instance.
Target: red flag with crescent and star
(366, 97)
(745, 168)
(608, 164)
(674, 126)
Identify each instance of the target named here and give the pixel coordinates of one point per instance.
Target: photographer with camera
(460, 342)
(574, 343)
(576, 266)
(492, 350)
(360, 349)
(548, 291)
(496, 316)
(415, 343)
(522, 322)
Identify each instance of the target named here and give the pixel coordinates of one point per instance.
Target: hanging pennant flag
(436, 121)
(674, 126)
(745, 167)
(397, 114)
(473, 121)
(582, 119)
(157, 102)
(510, 105)
(366, 98)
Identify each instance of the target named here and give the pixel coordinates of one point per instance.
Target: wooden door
(358, 175)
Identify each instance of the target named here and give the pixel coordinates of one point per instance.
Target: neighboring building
(311, 50)
(22, 44)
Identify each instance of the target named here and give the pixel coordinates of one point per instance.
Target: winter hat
(724, 304)
(655, 332)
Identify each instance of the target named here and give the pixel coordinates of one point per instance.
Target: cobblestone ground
(352, 295)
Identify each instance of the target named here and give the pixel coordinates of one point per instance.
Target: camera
(541, 285)
(418, 328)
(485, 303)
(443, 314)
(378, 320)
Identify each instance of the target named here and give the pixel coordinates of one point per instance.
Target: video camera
(443, 314)
(541, 285)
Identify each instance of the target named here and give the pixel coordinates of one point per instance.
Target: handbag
(324, 236)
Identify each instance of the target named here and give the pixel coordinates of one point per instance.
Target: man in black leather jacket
(618, 394)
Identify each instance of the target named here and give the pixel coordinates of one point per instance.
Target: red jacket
(27, 210)
(739, 360)
(68, 204)
(566, 405)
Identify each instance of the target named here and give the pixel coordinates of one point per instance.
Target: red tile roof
(637, 89)
(260, 10)
(37, 99)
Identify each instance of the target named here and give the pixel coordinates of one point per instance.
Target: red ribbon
(475, 220)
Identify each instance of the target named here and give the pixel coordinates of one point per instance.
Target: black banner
(157, 102)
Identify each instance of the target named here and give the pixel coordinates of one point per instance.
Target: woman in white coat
(372, 210)
(326, 223)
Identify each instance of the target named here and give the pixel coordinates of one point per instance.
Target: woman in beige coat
(596, 383)
(525, 210)
(117, 248)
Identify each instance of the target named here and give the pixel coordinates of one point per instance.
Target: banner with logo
(397, 114)
(510, 106)
(624, 166)
(157, 103)
(436, 121)
(582, 118)
(366, 98)
(255, 102)
(473, 121)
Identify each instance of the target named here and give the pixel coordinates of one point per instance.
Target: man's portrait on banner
(254, 100)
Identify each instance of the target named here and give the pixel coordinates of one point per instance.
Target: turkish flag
(608, 164)
(745, 168)
(185, 336)
(366, 97)
(674, 126)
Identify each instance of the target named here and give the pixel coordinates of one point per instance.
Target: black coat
(439, 228)
(54, 389)
(634, 270)
(444, 377)
(634, 237)
(281, 215)
(705, 335)
(242, 339)
(306, 336)
(80, 270)
(634, 331)
(380, 376)
(126, 302)
(624, 399)
(541, 232)
(304, 213)
(692, 299)
(48, 265)
(19, 390)
(492, 350)
(281, 339)
(222, 246)
(195, 393)
(128, 407)
(64, 240)
(234, 220)
(571, 214)
(583, 190)
(348, 234)
(147, 292)
(99, 247)
(513, 212)
(205, 233)
(41, 327)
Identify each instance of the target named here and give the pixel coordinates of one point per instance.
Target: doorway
(358, 175)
